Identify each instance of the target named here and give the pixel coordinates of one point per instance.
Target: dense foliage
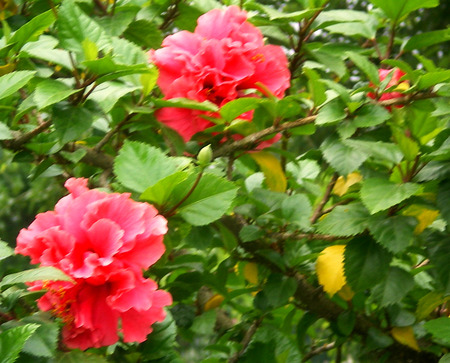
(293, 154)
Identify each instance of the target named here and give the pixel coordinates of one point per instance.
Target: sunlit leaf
(405, 336)
(330, 269)
(271, 167)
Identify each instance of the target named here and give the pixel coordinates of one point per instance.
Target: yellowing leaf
(271, 167)
(346, 293)
(330, 269)
(213, 302)
(405, 336)
(7, 68)
(343, 184)
(251, 272)
(424, 216)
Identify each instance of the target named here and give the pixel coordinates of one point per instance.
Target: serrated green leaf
(44, 341)
(36, 274)
(376, 149)
(160, 192)
(71, 122)
(278, 289)
(380, 194)
(439, 328)
(51, 91)
(5, 250)
(397, 284)
(394, 233)
(139, 166)
(5, 132)
(13, 340)
(296, 209)
(209, 201)
(433, 78)
(108, 93)
(331, 112)
(12, 82)
(371, 115)
(31, 30)
(344, 220)
(342, 158)
(250, 233)
(144, 33)
(365, 263)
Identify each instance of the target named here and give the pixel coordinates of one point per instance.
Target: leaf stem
(172, 210)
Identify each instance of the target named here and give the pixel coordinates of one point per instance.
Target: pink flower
(223, 58)
(395, 81)
(103, 241)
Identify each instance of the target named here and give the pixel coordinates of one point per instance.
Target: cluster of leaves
(331, 243)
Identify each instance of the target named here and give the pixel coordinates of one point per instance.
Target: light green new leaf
(139, 166)
(5, 250)
(377, 149)
(394, 233)
(342, 158)
(210, 200)
(432, 78)
(44, 342)
(31, 30)
(5, 132)
(345, 220)
(397, 284)
(365, 262)
(371, 115)
(12, 82)
(13, 340)
(380, 194)
(186, 103)
(331, 112)
(36, 274)
(439, 328)
(160, 192)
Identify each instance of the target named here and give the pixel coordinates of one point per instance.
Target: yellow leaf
(7, 68)
(271, 167)
(213, 302)
(330, 269)
(343, 184)
(405, 336)
(346, 293)
(424, 216)
(251, 273)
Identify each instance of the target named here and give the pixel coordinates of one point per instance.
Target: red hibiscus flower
(223, 58)
(103, 241)
(395, 81)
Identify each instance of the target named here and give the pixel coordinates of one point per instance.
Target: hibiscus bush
(212, 181)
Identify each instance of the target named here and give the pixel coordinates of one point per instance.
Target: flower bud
(204, 156)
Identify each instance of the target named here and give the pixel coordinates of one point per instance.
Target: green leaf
(424, 40)
(44, 341)
(12, 82)
(365, 262)
(36, 274)
(279, 15)
(439, 328)
(71, 123)
(108, 93)
(5, 250)
(278, 289)
(345, 220)
(399, 8)
(31, 30)
(13, 340)
(77, 356)
(235, 108)
(331, 112)
(408, 146)
(371, 115)
(377, 149)
(344, 159)
(250, 233)
(380, 194)
(160, 192)
(432, 78)
(139, 166)
(51, 91)
(394, 233)
(397, 284)
(209, 201)
(144, 33)
(186, 103)
(74, 26)
(5, 132)
(428, 303)
(366, 66)
(296, 209)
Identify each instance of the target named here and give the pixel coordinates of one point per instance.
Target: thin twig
(317, 351)
(172, 210)
(318, 211)
(111, 133)
(247, 339)
(16, 144)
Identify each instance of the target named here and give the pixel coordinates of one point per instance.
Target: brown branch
(317, 351)
(111, 133)
(171, 14)
(18, 142)
(250, 141)
(318, 211)
(310, 236)
(247, 339)
(405, 100)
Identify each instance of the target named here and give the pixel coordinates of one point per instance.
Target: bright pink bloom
(103, 241)
(223, 58)
(395, 81)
